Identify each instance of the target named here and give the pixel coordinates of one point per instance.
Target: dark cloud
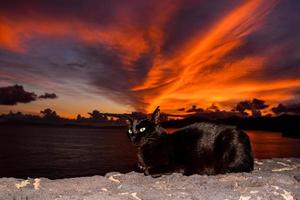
(181, 109)
(195, 109)
(12, 95)
(213, 107)
(48, 96)
(248, 105)
(76, 65)
(259, 104)
(288, 108)
(242, 106)
(254, 106)
(91, 11)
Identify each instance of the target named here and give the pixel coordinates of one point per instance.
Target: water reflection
(272, 144)
(59, 152)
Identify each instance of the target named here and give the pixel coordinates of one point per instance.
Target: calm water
(57, 152)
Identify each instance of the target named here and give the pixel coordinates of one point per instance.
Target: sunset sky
(133, 55)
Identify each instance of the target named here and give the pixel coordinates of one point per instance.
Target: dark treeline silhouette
(286, 124)
(255, 106)
(285, 117)
(51, 117)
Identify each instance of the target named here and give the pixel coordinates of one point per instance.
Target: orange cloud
(15, 35)
(188, 76)
(198, 72)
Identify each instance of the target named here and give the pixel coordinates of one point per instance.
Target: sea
(62, 152)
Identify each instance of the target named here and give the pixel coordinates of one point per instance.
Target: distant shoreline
(288, 125)
(66, 125)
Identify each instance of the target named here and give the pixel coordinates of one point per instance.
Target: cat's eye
(142, 129)
(130, 131)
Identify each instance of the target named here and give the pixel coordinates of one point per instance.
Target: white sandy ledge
(271, 179)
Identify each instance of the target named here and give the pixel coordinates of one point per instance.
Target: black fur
(201, 148)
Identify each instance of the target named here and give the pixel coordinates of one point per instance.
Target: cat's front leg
(146, 171)
(151, 171)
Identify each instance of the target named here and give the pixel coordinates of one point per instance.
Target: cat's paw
(146, 171)
(138, 168)
(156, 175)
(141, 167)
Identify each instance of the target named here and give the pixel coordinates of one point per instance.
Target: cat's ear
(155, 115)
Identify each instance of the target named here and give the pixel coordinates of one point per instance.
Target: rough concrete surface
(271, 179)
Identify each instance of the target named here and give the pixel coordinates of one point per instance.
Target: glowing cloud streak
(200, 72)
(185, 75)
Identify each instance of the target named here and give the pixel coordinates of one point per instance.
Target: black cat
(200, 148)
